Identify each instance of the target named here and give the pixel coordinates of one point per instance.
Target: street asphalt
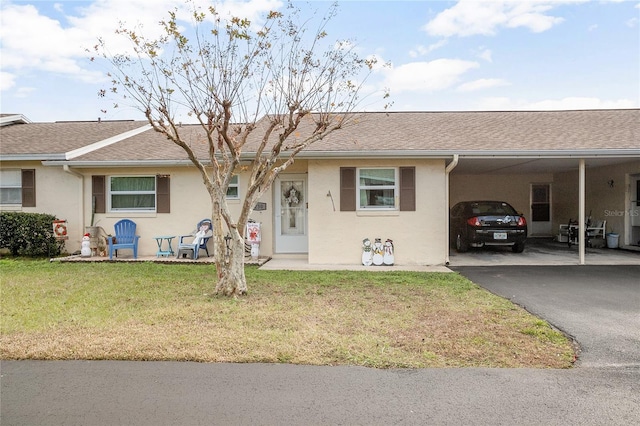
(598, 305)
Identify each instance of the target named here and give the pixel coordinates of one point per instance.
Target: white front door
(291, 214)
(540, 210)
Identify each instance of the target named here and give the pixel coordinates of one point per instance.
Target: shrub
(29, 234)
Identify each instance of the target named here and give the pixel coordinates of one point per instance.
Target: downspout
(452, 165)
(67, 169)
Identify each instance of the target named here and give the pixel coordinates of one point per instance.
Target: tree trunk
(231, 278)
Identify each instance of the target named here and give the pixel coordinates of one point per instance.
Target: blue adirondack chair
(196, 241)
(125, 238)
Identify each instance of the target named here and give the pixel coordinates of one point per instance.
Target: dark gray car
(487, 223)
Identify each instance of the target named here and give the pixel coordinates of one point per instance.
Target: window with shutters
(18, 187)
(132, 193)
(377, 188)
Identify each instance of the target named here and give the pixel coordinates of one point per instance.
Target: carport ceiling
(509, 166)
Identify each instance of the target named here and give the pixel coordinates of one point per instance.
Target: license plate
(499, 235)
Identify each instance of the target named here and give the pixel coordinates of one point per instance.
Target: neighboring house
(389, 176)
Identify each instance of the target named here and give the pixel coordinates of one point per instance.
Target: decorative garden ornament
(378, 251)
(85, 250)
(367, 252)
(388, 258)
(253, 237)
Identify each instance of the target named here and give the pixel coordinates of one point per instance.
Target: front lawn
(148, 311)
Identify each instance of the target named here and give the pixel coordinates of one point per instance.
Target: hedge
(29, 234)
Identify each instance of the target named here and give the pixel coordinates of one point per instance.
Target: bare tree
(245, 87)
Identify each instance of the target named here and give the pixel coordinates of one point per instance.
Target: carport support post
(581, 224)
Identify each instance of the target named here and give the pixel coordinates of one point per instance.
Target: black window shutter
(98, 194)
(163, 185)
(407, 188)
(347, 189)
(28, 188)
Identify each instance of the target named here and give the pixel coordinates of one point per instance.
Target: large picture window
(377, 188)
(132, 193)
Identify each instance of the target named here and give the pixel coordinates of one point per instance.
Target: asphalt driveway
(598, 305)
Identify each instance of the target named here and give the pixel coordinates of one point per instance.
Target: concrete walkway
(543, 251)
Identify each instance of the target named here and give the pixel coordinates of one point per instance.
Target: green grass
(147, 311)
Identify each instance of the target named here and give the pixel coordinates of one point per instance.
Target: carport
(551, 187)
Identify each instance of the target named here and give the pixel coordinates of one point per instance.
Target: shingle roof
(473, 131)
(150, 146)
(419, 133)
(47, 139)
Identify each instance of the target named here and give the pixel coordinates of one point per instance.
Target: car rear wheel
(461, 245)
(518, 247)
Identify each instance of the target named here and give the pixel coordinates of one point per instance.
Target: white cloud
(427, 76)
(569, 103)
(486, 54)
(24, 92)
(32, 41)
(7, 80)
(472, 17)
(482, 84)
(425, 50)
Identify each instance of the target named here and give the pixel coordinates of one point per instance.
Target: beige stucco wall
(190, 203)
(335, 237)
(57, 193)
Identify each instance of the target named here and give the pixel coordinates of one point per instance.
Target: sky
(466, 55)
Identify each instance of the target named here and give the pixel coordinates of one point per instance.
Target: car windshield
(492, 208)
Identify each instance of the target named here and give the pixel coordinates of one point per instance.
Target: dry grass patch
(148, 311)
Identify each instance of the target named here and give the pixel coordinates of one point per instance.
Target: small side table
(160, 240)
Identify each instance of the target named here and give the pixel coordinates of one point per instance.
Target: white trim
(106, 142)
(474, 154)
(234, 185)
(395, 187)
(13, 119)
(110, 193)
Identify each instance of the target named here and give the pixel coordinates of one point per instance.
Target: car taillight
(474, 221)
(521, 221)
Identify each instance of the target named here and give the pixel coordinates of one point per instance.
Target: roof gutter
(57, 160)
(452, 165)
(32, 157)
(479, 154)
(118, 164)
(559, 154)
